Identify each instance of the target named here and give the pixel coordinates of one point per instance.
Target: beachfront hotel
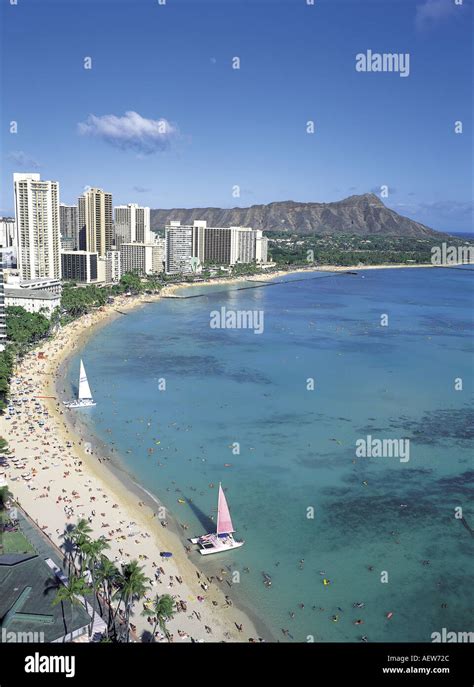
(179, 248)
(132, 224)
(113, 266)
(80, 266)
(37, 221)
(95, 221)
(144, 258)
(31, 300)
(215, 245)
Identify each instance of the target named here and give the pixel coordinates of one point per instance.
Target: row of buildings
(94, 242)
(80, 242)
(188, 248)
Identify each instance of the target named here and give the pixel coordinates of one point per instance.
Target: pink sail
(224, 522)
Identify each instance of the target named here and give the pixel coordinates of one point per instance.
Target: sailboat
(222, 539)
(84, 398)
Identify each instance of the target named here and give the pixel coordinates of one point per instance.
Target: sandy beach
(58, 480)
(64, 483)
(173, 289)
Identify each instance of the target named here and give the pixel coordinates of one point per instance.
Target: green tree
(130, 281)
(4, 451)
(4, 496)
(79, 536)
(70, 594)
(6, 371)
(107, 576)
(25, 327)
(132, 586)
(162, 608)
(91, 550)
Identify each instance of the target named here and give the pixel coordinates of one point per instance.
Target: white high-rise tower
(132, 224)
(37, 221)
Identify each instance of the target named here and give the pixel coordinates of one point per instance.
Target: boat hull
(80, 404)
(210, 544)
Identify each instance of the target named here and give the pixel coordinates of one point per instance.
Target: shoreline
(113, 483)
(169, 290)
(56, 465)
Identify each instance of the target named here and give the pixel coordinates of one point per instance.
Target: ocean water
(298, 447)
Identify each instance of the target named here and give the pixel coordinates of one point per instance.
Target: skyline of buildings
(95, 242)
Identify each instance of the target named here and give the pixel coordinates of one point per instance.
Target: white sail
(84, 388)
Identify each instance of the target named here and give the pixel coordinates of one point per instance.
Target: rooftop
(39, 294)
(27, 588)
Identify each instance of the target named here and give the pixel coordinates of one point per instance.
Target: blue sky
(244, 127)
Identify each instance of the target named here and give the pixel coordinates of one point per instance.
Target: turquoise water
(297, 447)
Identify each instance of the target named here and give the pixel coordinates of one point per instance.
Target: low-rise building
(13, 281)
(32, 300)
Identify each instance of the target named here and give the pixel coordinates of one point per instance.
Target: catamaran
(222, 539)
(84, 398)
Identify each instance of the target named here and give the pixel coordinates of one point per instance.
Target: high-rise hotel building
(95, 221)
(37, 222)
(132, 224)
(179, 248)
(68, 223)
(80, 266)
(214, 245)
(143, 258)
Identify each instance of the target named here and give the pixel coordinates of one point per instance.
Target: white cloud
(431, 12)
(130, 132)
(21, 160)
(141, 189)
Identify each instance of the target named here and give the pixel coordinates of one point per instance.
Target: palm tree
(132, 586)
(107, 576)
(4, 447)
(69, 593)
(4, 496)
(162, 609)
(91, 551)
(69, 548)
(80, 536)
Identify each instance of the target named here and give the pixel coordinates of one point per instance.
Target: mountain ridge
(362, 214)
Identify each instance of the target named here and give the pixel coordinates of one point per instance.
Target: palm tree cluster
(114, 591)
